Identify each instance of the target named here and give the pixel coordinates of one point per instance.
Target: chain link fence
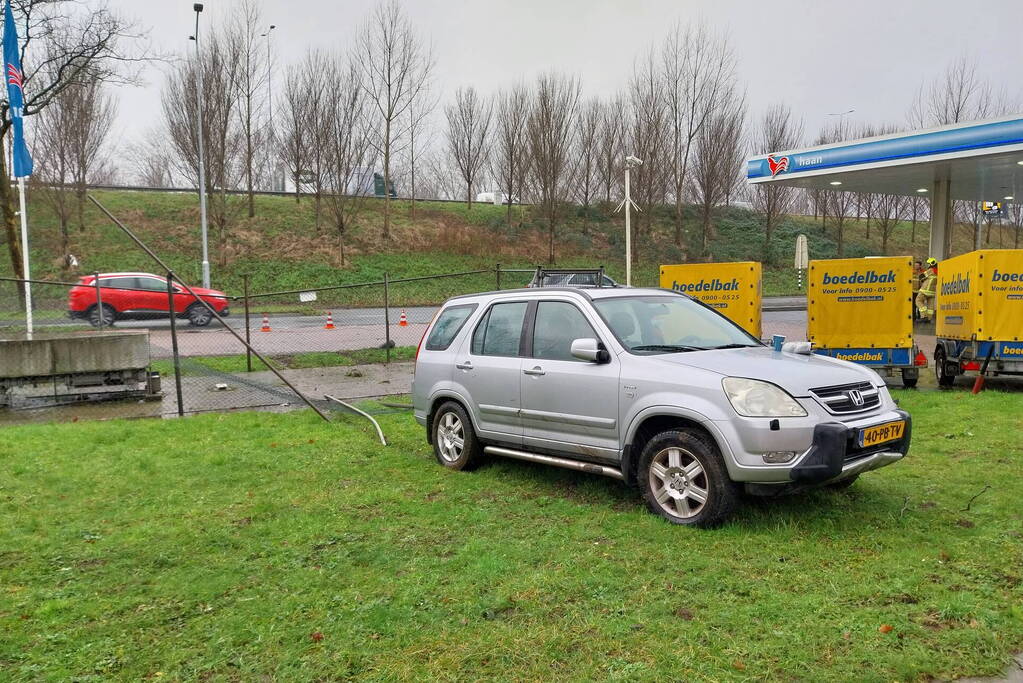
(263, 350)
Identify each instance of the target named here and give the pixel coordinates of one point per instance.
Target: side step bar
(557, 462)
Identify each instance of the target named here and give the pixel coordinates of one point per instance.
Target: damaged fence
(226, 351)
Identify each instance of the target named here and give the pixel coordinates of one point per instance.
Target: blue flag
(15, 96)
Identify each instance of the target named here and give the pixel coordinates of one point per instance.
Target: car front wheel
(102, 316)
(199, 315)
(683, 479)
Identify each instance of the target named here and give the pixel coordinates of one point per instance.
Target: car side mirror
(589, 349)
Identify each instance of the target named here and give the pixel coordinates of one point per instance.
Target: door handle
(464, 366)
(537, 371)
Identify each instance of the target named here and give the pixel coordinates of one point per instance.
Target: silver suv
(650, 387)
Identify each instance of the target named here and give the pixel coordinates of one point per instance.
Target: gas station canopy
(976, 161)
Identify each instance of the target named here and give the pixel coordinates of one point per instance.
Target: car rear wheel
(683, 479)
(102, 318)
(199, 315)
(454, 440)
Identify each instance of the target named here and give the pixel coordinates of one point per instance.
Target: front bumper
(834, 455)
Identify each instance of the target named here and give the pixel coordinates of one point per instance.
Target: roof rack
(543, 273)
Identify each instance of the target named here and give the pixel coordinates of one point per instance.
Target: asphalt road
(355, 328)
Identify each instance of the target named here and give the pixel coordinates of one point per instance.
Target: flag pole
(24, 257)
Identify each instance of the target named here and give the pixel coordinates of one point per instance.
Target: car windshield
(669, 324)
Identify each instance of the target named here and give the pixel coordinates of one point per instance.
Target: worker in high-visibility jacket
(928, 285)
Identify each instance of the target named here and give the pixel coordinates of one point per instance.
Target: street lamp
(270, 106)
(841, 118)
(631, 162)
(197, 7)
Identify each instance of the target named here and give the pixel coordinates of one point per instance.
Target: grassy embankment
(235, 547)
(282, 249)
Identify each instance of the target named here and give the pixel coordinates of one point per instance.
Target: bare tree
(648, 138)
(1016, 220)
(717, 156)
(250, 84)
(511, 159)
(550, 128)
(613, 128)
(586, 184)
(890, 208)
(151, 160)
(222, 139)
(53, 159)
(73, 44)
(839, 205)
(396, 66)
(697, 69)
(958, 94)
(778, 131)
(468, 120)
(348, 155)
(419, 112)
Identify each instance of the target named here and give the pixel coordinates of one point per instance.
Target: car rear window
(449, 323)
(500, 331)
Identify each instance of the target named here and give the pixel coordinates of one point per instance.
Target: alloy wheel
(679, 482)
(450, 437)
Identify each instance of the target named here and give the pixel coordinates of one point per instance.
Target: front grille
(840, 399)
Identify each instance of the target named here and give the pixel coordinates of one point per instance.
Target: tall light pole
(270, 108)
(631, 162)
(202, 170)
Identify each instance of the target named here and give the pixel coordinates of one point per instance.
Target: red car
(140, 296)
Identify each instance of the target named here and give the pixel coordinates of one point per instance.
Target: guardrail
(262, 193)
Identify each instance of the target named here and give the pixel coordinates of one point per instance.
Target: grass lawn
(230, 547)
(198, 365)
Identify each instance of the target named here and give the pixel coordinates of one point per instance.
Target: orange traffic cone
(266, 324)
(330, 322)
(402, 321)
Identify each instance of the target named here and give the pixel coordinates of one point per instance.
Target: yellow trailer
(732, 289)
(979, 322)
(861, 310)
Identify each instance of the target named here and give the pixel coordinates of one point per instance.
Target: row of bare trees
(342, 117)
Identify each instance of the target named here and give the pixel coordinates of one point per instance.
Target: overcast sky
(818, 56)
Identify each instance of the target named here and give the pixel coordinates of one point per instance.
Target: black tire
(909, 379)
(676, 452)
(451, 423)
(844, 484)
(198, 315)
(941, 369)
(104, 319)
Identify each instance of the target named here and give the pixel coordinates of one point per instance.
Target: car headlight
(753, 398)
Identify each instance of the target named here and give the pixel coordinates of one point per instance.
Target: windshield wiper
(669, 348)
(733, 346)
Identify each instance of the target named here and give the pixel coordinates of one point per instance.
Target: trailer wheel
(910, 377)
(945, 379)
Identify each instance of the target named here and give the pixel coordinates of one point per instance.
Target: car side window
(558, 324)
(152, 284)
(500, 331)
(448, 325)
(118, 282)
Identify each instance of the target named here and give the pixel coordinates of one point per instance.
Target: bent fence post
(99, 301)
(174, 343)
(387, 321)
(366, 415)
(209, 308)
(248, 339)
